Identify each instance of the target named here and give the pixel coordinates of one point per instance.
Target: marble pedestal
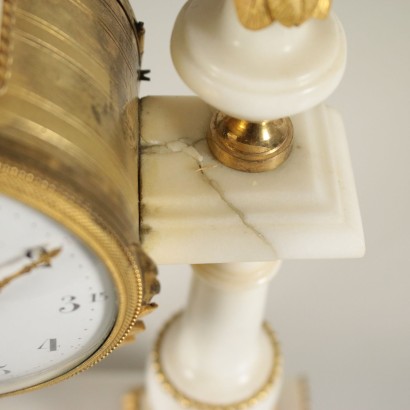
(195, 210)
(115, 390)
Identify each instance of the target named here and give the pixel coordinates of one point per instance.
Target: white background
(343, 323)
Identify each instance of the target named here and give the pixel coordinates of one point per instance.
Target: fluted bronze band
(6, 41)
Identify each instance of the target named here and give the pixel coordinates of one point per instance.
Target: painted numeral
(50, 345)
(4, 370)
(99, 297)
(70, 304)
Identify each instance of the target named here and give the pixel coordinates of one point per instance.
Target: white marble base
(195, 210)
(217, 351)
(103, 390)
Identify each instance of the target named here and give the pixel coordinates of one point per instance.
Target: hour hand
(41, 257)
(30, 253)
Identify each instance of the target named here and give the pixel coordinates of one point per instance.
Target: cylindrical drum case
(69, 99)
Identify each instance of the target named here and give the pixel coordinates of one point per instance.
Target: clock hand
(11, 261)
(44, 259)
(30, 253)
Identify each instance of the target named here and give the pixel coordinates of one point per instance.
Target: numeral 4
(49, 344)
(3, 370)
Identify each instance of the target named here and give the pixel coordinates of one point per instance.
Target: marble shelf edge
(117, 389)
(195, 210)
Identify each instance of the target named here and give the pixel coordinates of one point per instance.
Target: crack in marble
(214, 185)
(189, 148)
(178, 145)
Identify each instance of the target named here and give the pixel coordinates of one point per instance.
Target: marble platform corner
(195, 210)
(114, 390)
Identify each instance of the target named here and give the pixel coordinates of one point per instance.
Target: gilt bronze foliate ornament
(257, 14)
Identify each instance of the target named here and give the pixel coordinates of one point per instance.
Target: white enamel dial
(57, 300)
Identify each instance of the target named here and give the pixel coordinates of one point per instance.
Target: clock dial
(57, 299)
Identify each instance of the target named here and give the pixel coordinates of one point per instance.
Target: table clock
(96, 184)
(74, 279)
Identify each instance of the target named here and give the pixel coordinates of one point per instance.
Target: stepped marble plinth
(195, 210)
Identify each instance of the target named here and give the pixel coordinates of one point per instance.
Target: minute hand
(43, 259)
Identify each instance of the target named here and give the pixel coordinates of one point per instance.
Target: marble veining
(195, 210)
(190, 149)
